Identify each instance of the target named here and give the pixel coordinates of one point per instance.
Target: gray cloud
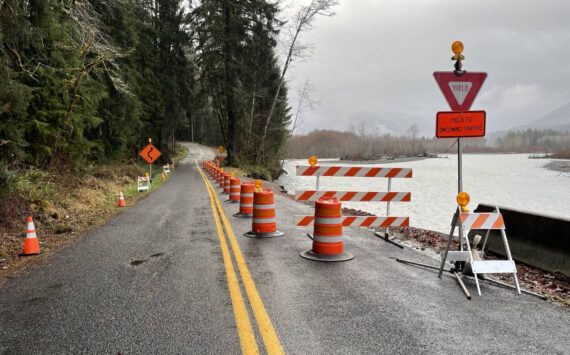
(374, 61)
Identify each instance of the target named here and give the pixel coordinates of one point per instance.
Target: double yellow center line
(245, 330)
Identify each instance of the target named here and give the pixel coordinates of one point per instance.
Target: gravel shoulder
(562, 166)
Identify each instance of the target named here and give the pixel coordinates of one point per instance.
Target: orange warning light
(258, 185)
(313, 160)
(457, 47)
(232, 174)
(463, 199)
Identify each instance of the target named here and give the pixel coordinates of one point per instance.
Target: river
(510, 180)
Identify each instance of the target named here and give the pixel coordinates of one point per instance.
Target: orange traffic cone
(31, 245)
(122, 202)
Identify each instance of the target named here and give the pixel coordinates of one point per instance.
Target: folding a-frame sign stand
(479, 221)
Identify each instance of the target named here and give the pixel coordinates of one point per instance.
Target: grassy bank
(64, 205)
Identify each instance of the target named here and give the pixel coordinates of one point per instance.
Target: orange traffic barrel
(211, 170)
(223, 179)
(263, 224)
(246, 200)
(234, 190)
(227, 178)
(31, 245)
(327, 233)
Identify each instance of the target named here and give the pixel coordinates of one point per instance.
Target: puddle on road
(137, 262)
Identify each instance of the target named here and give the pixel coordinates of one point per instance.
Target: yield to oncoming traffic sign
(460, 124)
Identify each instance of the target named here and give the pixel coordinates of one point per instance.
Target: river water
(510, 180)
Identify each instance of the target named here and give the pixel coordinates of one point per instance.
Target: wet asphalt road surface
(152, 280)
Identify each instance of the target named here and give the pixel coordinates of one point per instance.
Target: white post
(388, 204)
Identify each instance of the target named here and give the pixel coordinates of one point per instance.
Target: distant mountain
(379, 122)
(558, 119)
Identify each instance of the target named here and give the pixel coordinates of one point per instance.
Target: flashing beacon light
(222, 169)
(150, 140)
(463, 200)
(232, 174)
(457, 48)
(258, 185)
(313, 160)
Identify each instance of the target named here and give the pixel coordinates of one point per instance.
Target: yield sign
(459, 91)
(150, 153)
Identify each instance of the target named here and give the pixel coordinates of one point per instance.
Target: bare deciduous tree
(303, 21)
(413, 131)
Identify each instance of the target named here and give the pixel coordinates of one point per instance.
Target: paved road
(155, 280)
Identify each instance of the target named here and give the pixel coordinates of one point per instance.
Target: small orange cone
(122, 202)
(31, 245)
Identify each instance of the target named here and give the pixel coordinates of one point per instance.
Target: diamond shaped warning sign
(150, 153)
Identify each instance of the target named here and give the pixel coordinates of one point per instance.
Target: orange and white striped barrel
(263, 223)
(246, 200)
(223, 179)
(226, 183)
(327, 232)
(327, 236)
(234, 190)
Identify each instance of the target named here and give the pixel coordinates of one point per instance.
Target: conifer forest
(92, 80)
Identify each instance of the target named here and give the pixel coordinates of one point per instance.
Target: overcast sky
(374, 60)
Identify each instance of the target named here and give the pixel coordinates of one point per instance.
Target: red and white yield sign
(460, 91)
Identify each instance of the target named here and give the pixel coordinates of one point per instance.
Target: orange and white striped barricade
(478, 221)
(227, 178)
(246, 200)
(263, 222)
(345, 221)
(234, 190)
(360, 196)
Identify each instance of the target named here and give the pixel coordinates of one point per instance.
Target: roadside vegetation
(66, 204)
(85, 83)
